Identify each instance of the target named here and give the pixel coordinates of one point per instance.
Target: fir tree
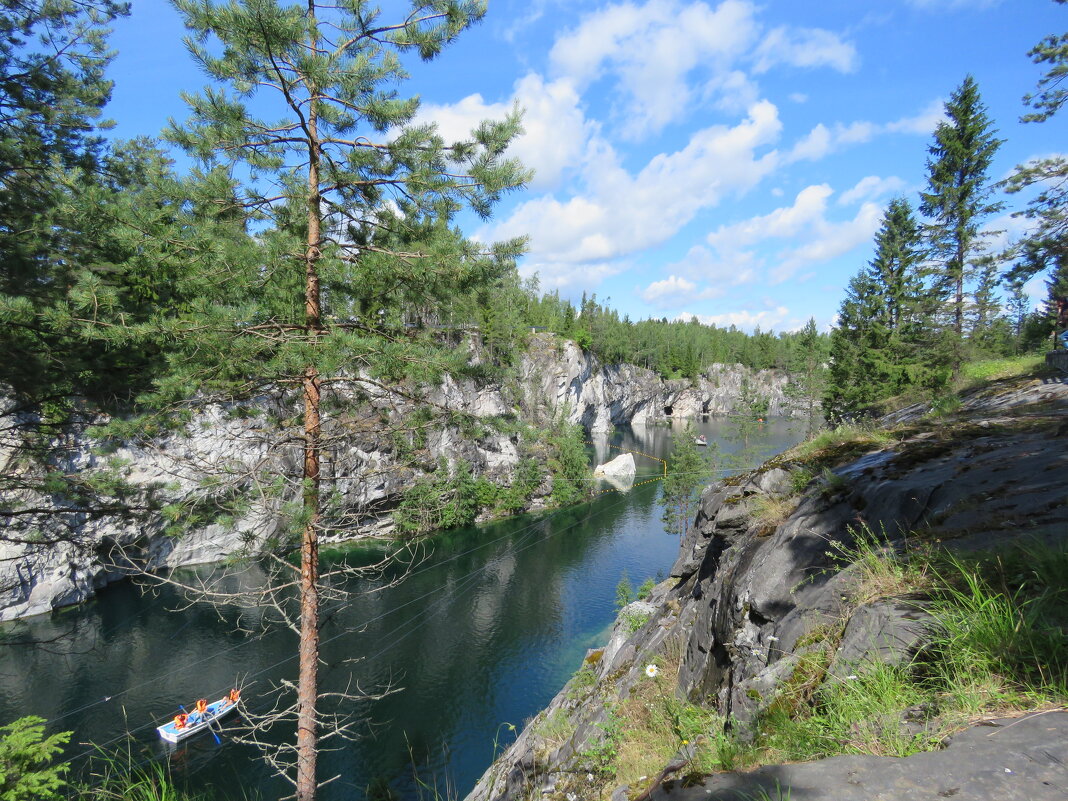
(958, 198)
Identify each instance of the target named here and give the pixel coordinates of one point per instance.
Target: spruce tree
(958, 198)
(885, 337)
(352, 208)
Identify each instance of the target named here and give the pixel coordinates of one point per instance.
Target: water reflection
(482, 633)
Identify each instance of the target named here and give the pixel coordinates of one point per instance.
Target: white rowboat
(196, 721)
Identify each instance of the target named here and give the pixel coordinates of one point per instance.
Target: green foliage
(958, 200)
(687, 472)
(677, 349)
(26, 754)
(885, 340)
(632, 621)
(645, 589)
(624, 591)
(447, 498)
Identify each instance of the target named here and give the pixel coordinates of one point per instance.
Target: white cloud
(821, 141)
(556, 132)
(870, 188)
(651, 49)
(701, 264)
(816, 239)
(652, 52)
(769, 318)
(831, 240)
(674, 291)
(619, 212)
(923, 123)
(805, 47)
(798, 97)
(809, 207)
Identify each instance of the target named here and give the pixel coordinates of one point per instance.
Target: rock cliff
(761, 608)
(57, 557)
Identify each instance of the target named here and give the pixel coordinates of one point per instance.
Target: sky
(720, 159)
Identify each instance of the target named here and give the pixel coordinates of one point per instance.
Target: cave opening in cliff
(668, 410)
(704, 408)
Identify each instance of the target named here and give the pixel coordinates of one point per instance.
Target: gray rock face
(751, 595)
(557, 374)
(1010, 760)
(52, 560)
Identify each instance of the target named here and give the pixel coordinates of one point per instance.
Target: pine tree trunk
(308, 671)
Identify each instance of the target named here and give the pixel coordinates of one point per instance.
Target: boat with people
(700, 439)
(186, 724)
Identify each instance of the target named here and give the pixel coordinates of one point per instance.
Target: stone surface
(1009, 760)
(51, 560)
(621, 467)
(747, 600)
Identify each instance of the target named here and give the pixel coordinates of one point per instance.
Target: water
(476, 640)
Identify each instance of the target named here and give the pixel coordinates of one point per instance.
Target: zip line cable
(525, 533)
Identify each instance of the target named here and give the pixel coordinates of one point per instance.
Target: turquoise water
(476, 640)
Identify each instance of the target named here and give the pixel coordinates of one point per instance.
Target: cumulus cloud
(748, 320)
(822, 140)
(556, 132)
(651, 49)
(871, 188)
(663, 55)
(620, 212)
(817, 238)
(808, 208)
(832, 239)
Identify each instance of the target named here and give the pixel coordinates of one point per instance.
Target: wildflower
(851, 677)
(651, 671)
(571, 797)
(589, 777)
(772, 638)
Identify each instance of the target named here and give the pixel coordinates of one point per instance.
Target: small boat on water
(189, 723)
(700, 439)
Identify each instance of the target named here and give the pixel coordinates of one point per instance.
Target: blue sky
(720, 158)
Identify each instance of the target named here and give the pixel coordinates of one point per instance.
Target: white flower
(571, 797)
(850, 678)
(651, 671)
(773, 638)
(589, 777)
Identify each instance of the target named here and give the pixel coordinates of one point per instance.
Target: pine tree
(1046, 245)
(352, 207)
(958, 198)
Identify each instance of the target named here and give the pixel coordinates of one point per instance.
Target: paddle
(213, 734)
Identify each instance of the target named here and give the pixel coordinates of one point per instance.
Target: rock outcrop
(764, 578)
(557, 374)
(61, 556)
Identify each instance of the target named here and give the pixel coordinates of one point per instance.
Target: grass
(648, 728)
(998, 647)
(117, 780)
(832, 444)
(981, 372)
